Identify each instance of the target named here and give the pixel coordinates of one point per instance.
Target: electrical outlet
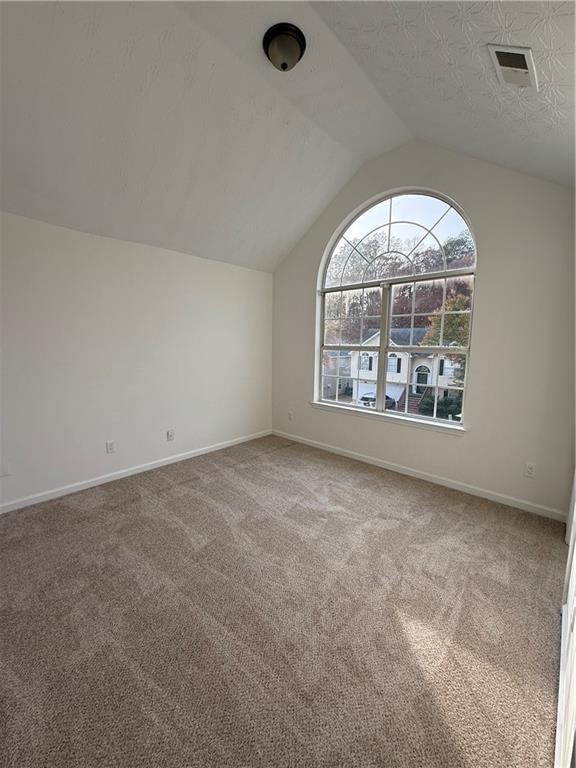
(529, 469)
(110, 446)
(290, 415)
(170, 435)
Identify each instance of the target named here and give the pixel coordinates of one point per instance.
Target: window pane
(354, 268)
(351, 311)
(374, 244)
(350, 330)
(352, 303)
(335, 363)
(338, 259)
(422, 209)
(395, 397)
(459, 293)
(329, 387)
(426, 331)
(369, 220)
(449, 405)
(330, 363)
(371, 331)
(365, 393)
(332, 302)
(365, 365)
(405, 237)
(452, 369)
(372, 302)
(345, 364)
(331, 331)
(397, 368)
(429, 296)
(427, 256)
(396, 378)
(455, 237)
(456, 330)
(365, 361)
(345, 391)
(371, 307)
(400, 333)
(402, 299)
(421, 384)
(425, 405)
(388, 266)
(423, 372)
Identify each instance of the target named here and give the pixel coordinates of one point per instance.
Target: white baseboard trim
(64, 490)
(500, 498)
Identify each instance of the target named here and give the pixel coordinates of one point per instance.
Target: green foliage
(459, 250)
(456, 327)
(426, 407)
(447, 406)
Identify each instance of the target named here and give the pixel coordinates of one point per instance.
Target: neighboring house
(420, 372)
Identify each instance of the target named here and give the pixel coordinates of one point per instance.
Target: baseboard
(500, 498)
(55, 493)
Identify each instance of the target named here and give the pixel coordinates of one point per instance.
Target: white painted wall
(523, 329)
(106, 339)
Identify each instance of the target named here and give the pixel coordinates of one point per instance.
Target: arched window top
(396, 311)
(404, 235)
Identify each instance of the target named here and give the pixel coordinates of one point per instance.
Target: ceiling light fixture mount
(284, 45)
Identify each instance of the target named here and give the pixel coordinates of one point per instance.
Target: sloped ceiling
(163, 123)
(430, 61)
(137, 122)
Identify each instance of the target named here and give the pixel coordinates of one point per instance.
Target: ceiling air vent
(514, 66)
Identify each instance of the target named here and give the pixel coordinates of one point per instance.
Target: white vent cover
(514, 66)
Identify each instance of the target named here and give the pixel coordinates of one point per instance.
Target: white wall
(522, 345)
(109, 340)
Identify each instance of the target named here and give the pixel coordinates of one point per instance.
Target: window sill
(411, 421)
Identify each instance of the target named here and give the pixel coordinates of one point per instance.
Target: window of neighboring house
(366, 361)
(397, 297)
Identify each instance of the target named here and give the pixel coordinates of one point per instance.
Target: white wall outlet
(529, 469)
(110, 446)
(290, 415)
(170, 435)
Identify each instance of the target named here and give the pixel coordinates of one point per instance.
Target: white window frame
(384, 348)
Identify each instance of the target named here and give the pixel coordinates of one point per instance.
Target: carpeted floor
(274, 605)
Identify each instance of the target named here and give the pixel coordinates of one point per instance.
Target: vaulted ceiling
(164, 123)
(431, 63)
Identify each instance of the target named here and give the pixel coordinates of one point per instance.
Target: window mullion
(382, 356)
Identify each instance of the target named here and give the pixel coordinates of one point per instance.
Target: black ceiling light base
(284, 45)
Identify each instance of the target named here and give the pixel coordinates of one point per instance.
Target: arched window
(397, 289)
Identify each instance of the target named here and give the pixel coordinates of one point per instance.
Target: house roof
(401, 337)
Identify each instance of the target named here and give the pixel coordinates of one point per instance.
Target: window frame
(384, 349)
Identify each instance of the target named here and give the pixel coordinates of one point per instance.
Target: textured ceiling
(430, 62)
(163, 123)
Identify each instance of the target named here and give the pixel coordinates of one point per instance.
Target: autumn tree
(456, 327)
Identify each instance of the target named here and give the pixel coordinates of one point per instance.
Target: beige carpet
(275, 605)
